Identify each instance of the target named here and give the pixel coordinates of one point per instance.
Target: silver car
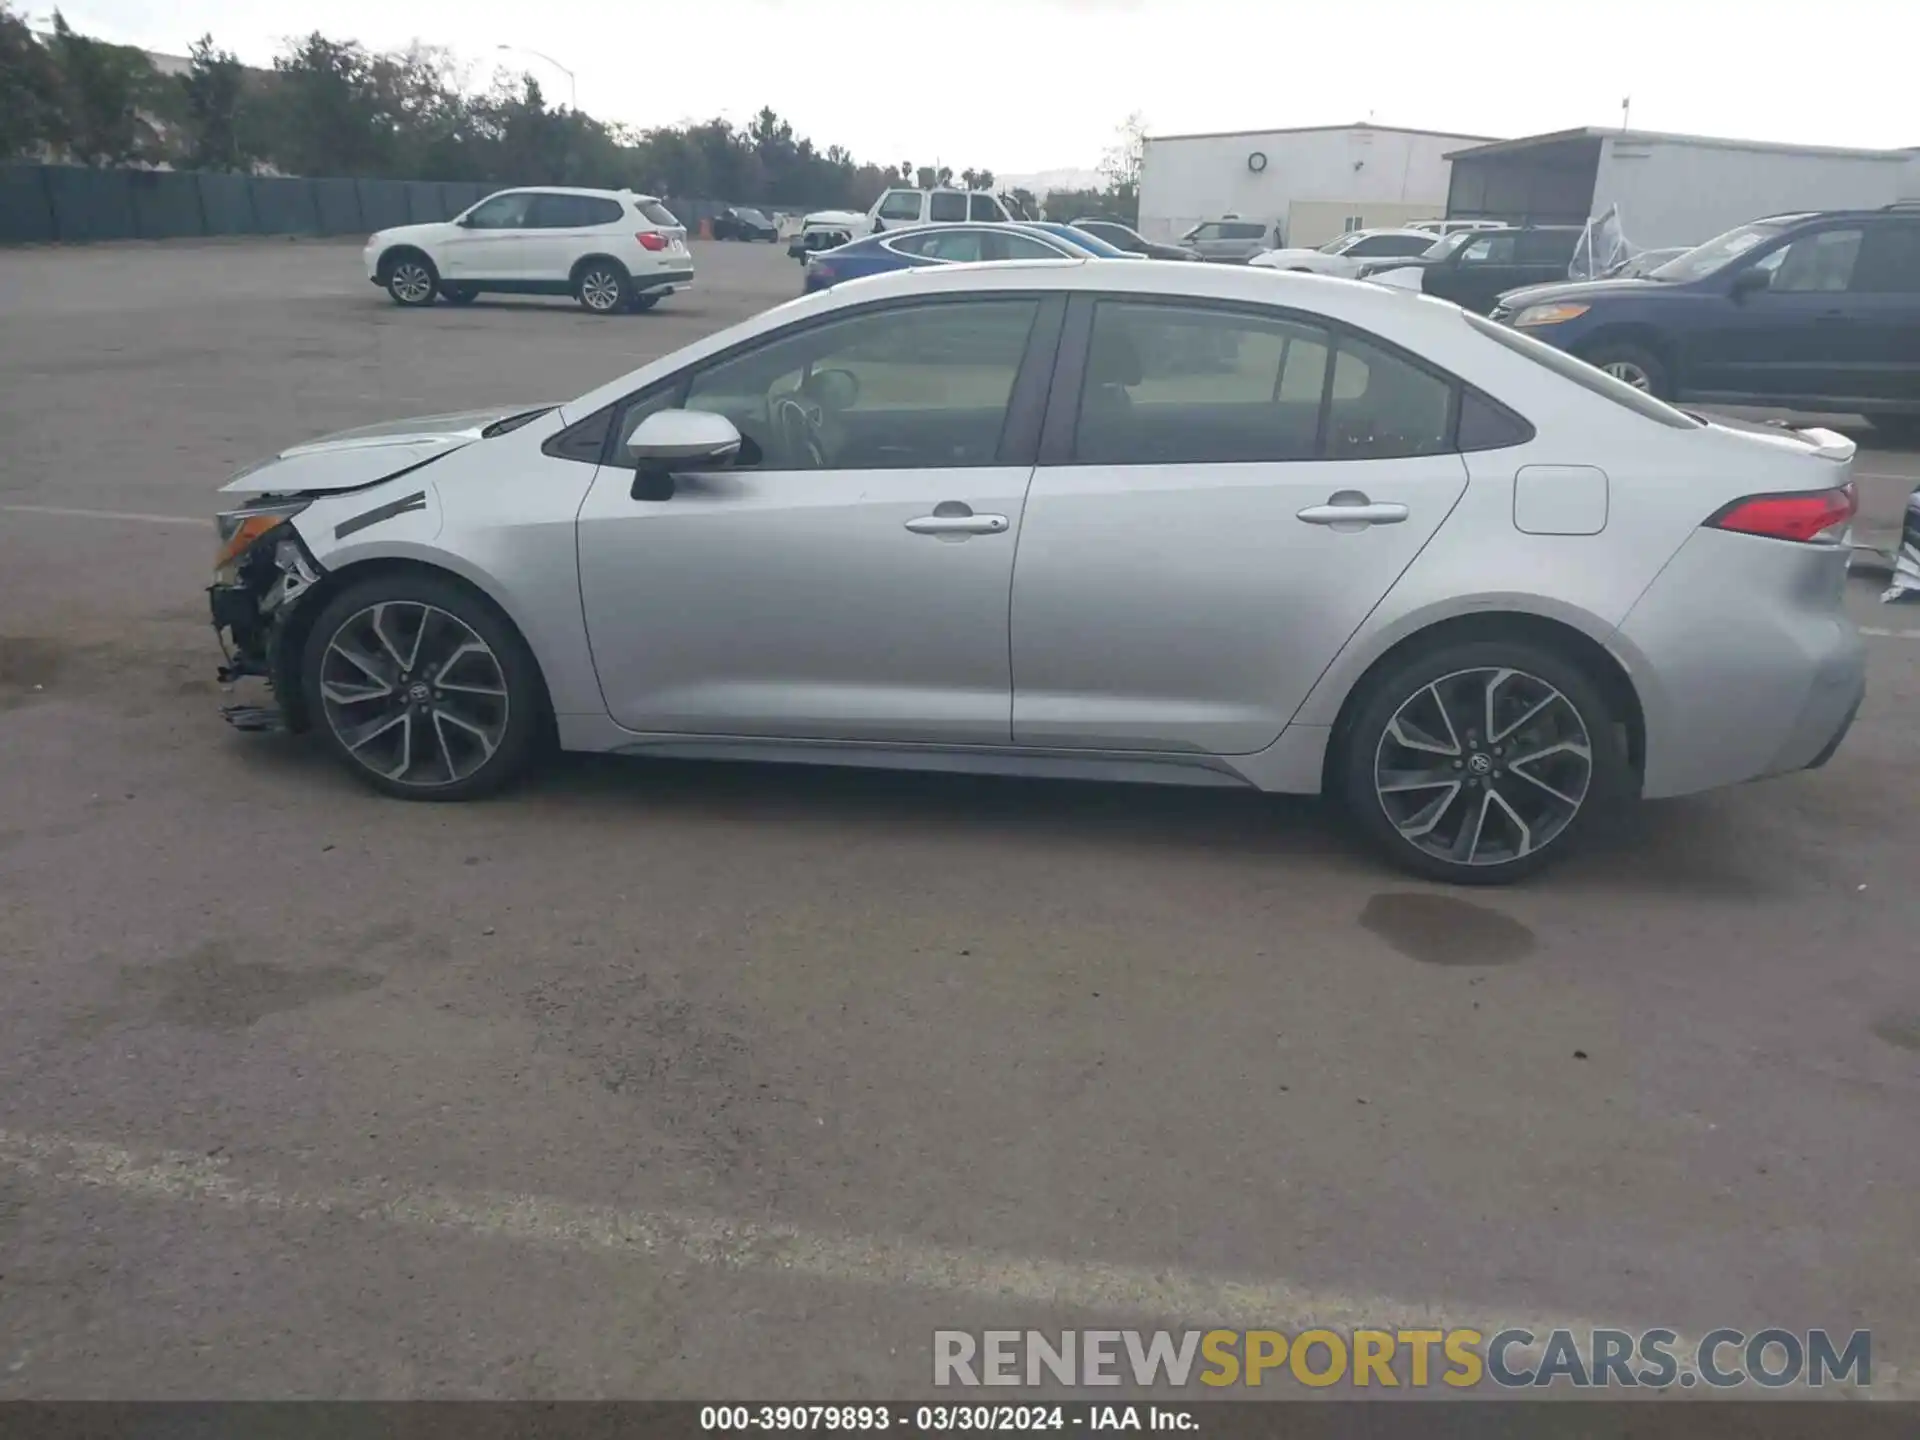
(1121, 520)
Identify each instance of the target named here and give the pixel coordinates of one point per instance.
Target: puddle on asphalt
(210, 988)
(1901, 1031)
(1443, 930)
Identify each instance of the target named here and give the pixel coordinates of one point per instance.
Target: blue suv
(1804, 312)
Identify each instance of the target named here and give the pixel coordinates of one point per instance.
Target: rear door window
(947, 207)
(983, 207)
(1239, 230)
(1545, 247)
(1376, 245)
(1889, 262)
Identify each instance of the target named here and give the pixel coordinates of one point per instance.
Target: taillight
(651, 240)
(820, 271)
(1806, 516)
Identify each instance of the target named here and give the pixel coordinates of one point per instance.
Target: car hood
(368, 455)
(400, 233)
(834, 217)
(1293, 255)
(1587, 290)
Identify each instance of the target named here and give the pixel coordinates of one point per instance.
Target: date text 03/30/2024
(941, 1419)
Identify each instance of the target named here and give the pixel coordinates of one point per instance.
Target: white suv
(609, 249)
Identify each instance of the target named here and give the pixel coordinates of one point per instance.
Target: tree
(110, 99)
(982, 180)
(29, 88)
(1120, 166)
(213, 87)
(1024, 198)
(926, 177)
(943, 177)
(326, 113)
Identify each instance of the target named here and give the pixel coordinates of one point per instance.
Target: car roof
(572, 190)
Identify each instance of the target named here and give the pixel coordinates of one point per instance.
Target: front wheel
(423, 690)
(412, 280)
(602, 287)
(1640, 368)
(1479, 763)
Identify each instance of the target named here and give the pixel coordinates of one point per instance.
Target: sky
(1020, 86)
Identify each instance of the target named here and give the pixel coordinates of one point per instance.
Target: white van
(897, 209)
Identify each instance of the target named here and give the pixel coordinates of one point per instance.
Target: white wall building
(1313, 183)
(1670, 189)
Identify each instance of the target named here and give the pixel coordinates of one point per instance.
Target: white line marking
(1175, 1297)
(1884, 475)
(107, 515)
(1890, 634)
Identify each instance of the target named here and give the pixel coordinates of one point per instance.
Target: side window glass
(598, 212)
(1488, 250)
(983, 207)
(1546, 247)
(1383, 407)
(909, 387)
(1019, 247)
(1819, 262)
(502, 212)
(556, 212)
(1889, 262)
(901, 205)
(960, 246)
(947, 206)
(1168, 385)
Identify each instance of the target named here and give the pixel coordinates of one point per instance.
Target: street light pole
(573, 86)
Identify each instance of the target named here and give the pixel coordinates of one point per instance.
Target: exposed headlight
(241, 530)
(1552, 313)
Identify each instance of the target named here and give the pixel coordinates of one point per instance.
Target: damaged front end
(260, 573)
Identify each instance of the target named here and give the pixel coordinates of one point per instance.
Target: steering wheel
(797, 422)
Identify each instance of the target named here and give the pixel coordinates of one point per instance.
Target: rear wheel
(422, 689)
(1478, 763)
(1640, 368)
(602, 287)
(411, 279)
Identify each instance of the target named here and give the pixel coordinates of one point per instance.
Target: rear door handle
(958, 525)
(1341, 511)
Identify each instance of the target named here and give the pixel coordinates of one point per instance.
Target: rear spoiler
(1827, 444)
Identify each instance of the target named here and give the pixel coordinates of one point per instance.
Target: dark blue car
(1803, 312)
(939, 245)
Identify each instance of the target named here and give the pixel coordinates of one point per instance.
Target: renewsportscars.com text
(1459, 1359)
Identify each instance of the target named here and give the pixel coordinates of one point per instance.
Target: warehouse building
(1669, 189)
(1308, 185)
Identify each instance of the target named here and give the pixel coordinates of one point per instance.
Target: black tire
(1625, 360)
(642, 302)
(460, 294)
(410, 278)
(1418, 683)
(603, 287)
(450, 762)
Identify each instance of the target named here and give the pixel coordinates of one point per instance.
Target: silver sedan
(1110, 520)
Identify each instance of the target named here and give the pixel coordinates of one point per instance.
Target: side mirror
(465, 222)
(1750, 280)
(669, 440)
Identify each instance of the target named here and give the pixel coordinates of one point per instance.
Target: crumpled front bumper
(250, 608)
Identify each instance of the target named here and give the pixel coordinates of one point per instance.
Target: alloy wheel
(1483, 767)
(411, 282)
(413, 693)
(1631, 373)
(600, 289)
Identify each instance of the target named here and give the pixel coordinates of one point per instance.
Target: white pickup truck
(898, 209)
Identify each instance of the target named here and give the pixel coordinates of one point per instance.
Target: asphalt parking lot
(707, 1081)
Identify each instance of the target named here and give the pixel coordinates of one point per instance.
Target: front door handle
(953, 517)
(1351, 508)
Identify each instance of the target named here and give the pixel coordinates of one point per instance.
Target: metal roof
(1596, 132)
(1317, 130)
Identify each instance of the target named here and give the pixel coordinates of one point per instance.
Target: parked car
(1230, 239)
(740, 223)
(1125, 237)
(826, 230)
(937, 245)
(1814, 311)
(1454, 227)
(609, 249)
(992, 518)
(1346, 254)
(1633, 268)
(1473, 268)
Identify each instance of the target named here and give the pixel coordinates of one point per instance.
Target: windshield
(1721, 251)
(1453, 242)
(1337, 244)
(752, 217)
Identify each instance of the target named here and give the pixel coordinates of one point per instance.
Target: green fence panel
(90, 204)
(338, 203)
(226, 203)
(166, 204)
(383, 204)
(284, 206)
(26, 213)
